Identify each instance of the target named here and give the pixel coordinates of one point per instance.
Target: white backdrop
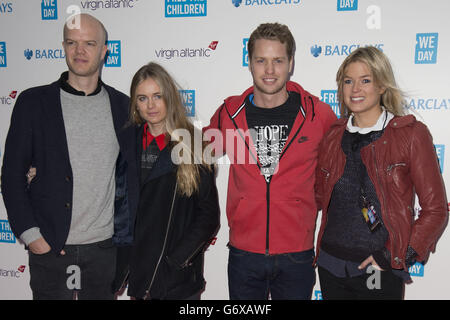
(202, 44)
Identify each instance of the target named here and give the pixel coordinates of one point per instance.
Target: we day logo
(426, 48)
(49, 10)
(416, 270)
(245, 52)
(440, 152)
(113, 57)
(188, 98)
(347, 5)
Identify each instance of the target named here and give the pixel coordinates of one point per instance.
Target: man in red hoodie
(271, 133)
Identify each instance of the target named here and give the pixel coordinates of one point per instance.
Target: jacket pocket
(397, 173)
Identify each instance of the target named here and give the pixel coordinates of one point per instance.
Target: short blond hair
(393, 98)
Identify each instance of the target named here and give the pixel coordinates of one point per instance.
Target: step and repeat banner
(202, 43)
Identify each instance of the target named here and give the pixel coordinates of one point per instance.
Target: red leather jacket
(401, 163)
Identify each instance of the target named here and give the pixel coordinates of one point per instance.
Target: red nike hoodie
(278, 214)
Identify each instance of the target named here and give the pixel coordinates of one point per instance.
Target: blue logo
(426, 48)
(28, 53)
(188, 8)
(47, 54)
(6, 235)
(416, 270)
(188, 98)
(339, 50)
(6, 7)
(430, 104)
(317, 295)
(440, 152)
(245, 52)
(3, 54)
(237, 3)
(113, 56)
(49, 10)
(316, 51)
(347, 5)
(330, 97)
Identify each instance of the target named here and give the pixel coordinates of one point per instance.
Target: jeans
(85, 272)
(254, 276)
(374, 285)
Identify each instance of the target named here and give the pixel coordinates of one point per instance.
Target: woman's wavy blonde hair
(393, 98)
(188, 175)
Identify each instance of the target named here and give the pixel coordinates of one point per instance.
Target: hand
(31, 174)
(40, 246)
(369, 260)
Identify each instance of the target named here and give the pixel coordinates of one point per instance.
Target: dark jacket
(172, 231)
(37, 138)
(400, 164)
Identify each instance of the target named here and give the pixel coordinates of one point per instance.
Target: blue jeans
(253, 276)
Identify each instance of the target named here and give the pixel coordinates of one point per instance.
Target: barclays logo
(188, 98)
(339, 50)
(6, 7)
(429, 104)
(188, 8)
(3, 54)
(238, 3)
(113, 56)
(47, 54)
(49, 10)
(28, 53)
(316, 51)
(426, 48)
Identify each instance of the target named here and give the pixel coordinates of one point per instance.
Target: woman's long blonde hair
(393, 98)
(188, 175)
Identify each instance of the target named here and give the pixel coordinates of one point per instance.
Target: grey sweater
(93, 151)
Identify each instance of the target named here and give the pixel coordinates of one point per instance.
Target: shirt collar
(147, 138)
(68, 88)
(381, 123)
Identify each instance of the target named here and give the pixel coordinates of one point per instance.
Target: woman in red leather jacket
(372, 164)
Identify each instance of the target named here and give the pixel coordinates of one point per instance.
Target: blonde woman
(178, 210)
(371, 164)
